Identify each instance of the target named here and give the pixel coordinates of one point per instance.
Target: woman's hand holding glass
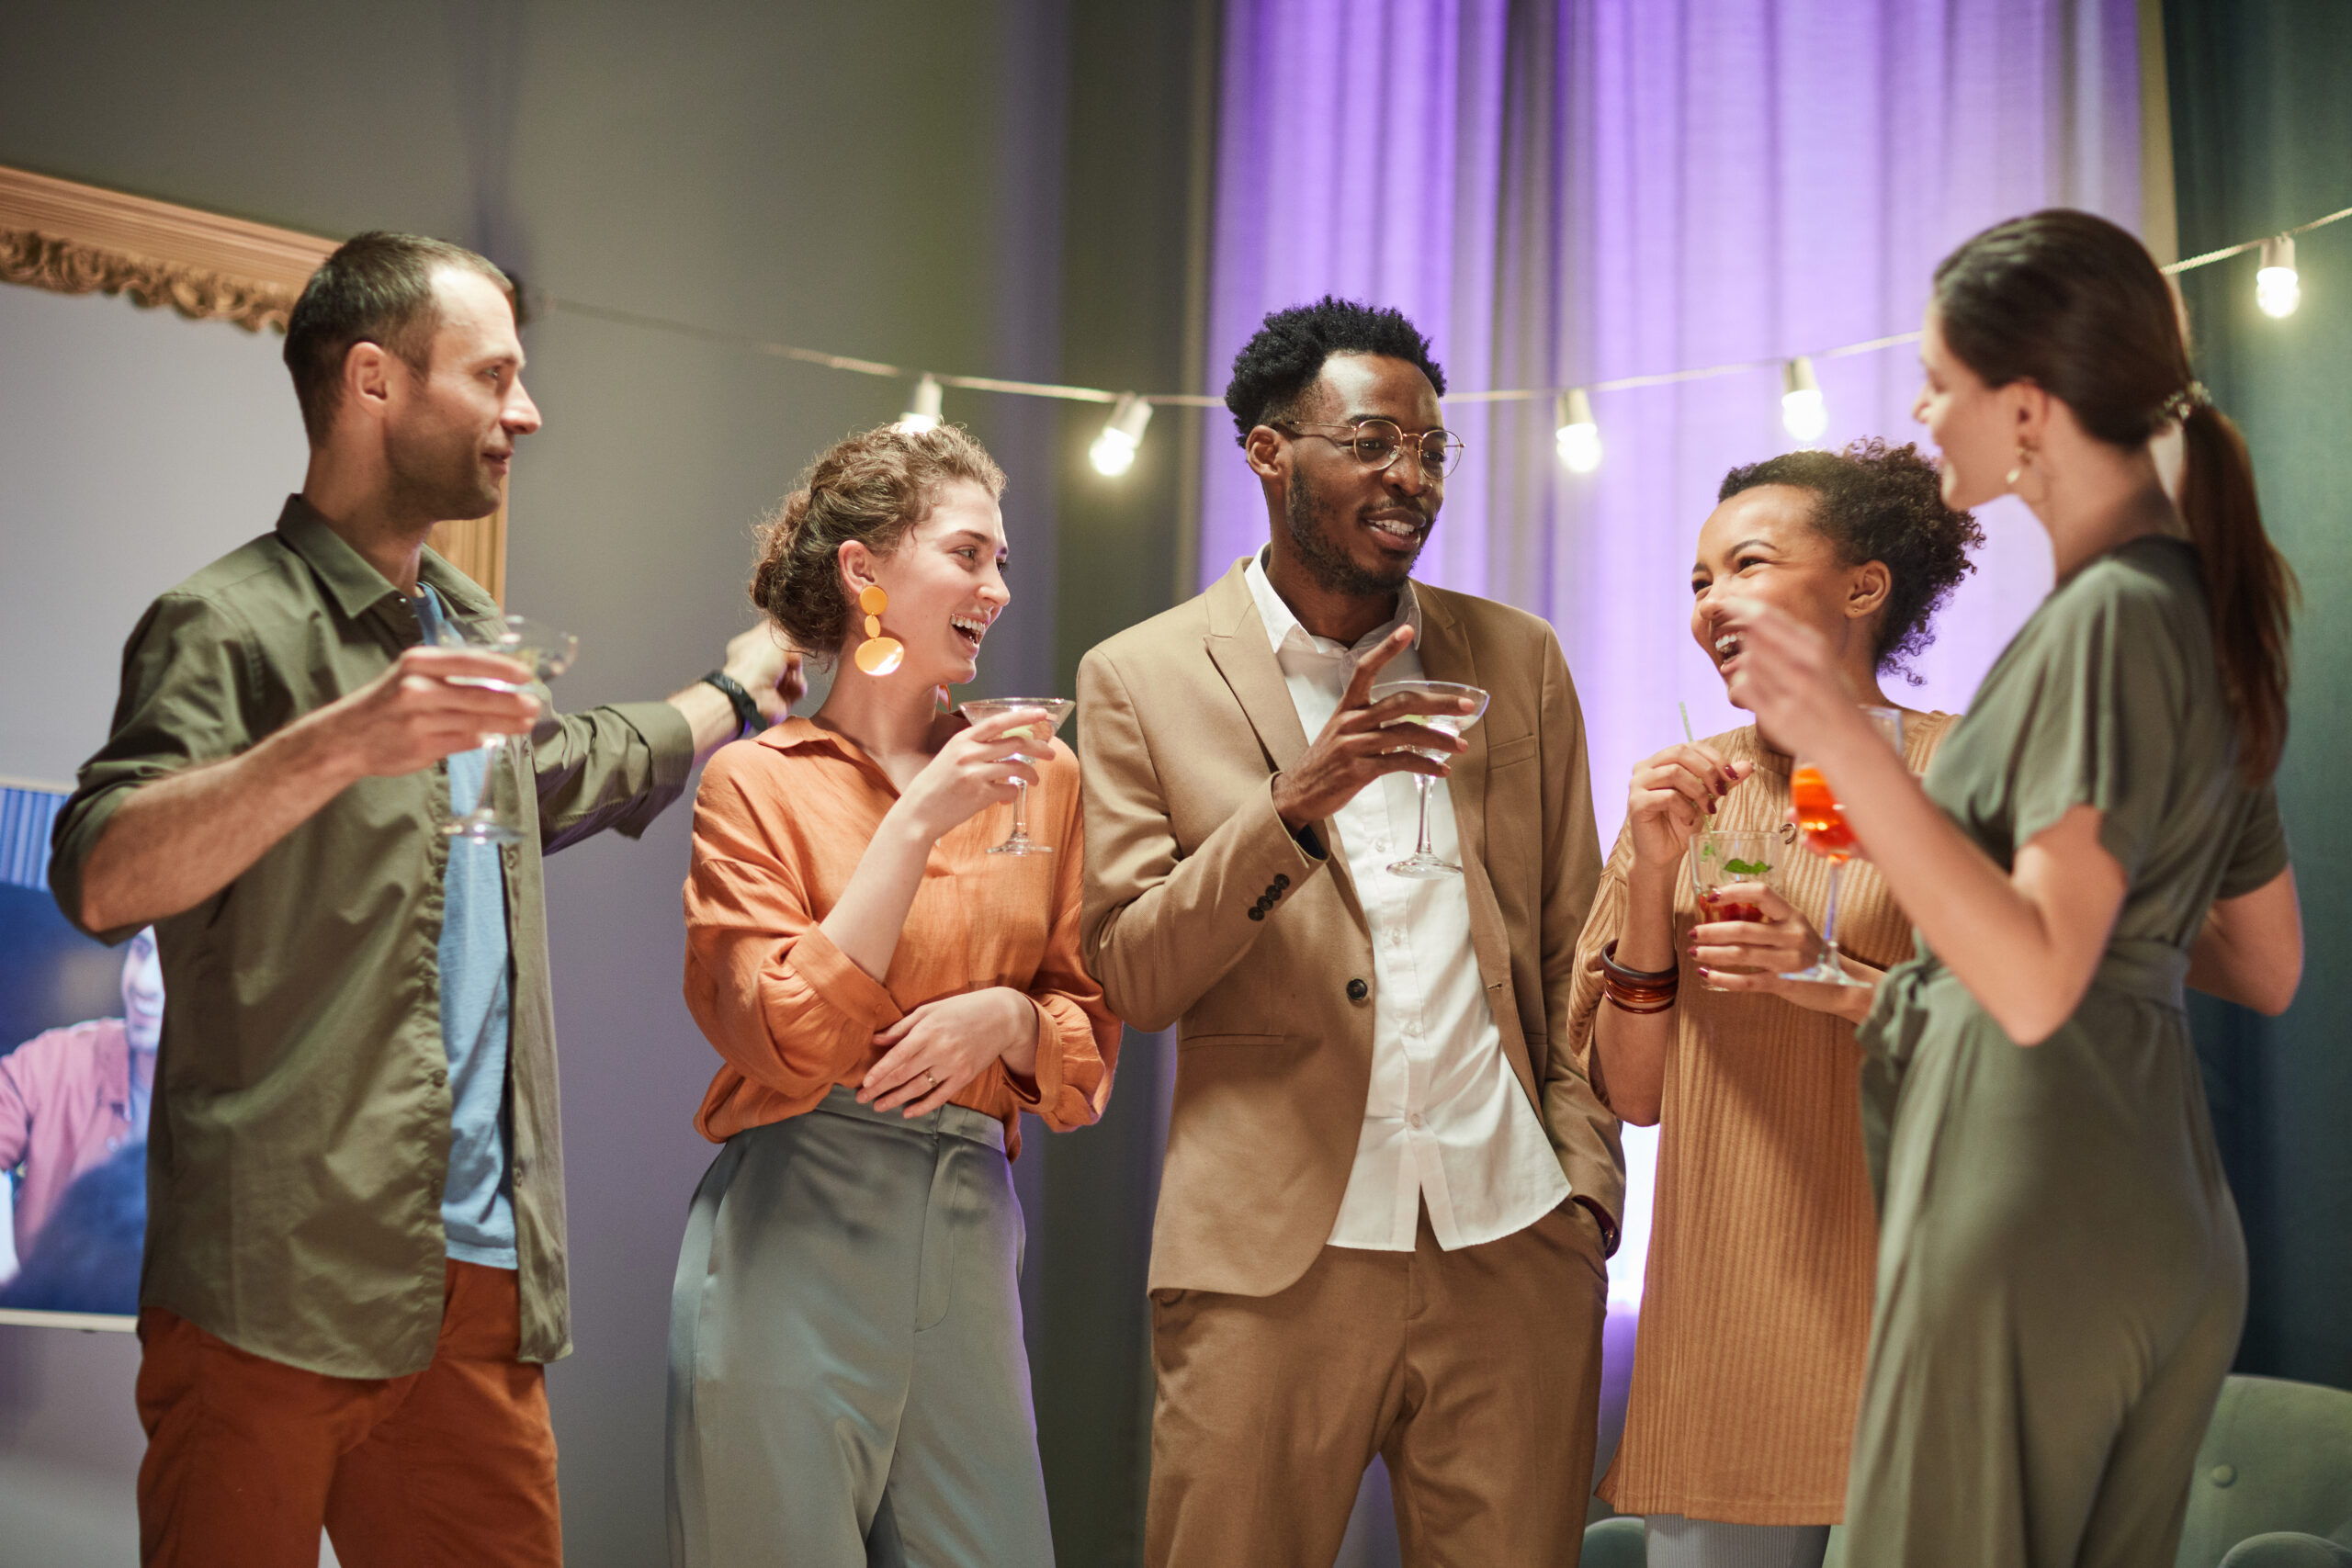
(1674, 794)
(931, 1054)
(1782, 942)
(977, 767)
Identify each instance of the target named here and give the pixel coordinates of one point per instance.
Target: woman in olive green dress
(2062, 1279)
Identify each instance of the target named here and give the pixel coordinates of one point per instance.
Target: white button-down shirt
(1445, 1124)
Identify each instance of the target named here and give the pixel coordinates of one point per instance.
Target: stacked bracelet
(1637, 990)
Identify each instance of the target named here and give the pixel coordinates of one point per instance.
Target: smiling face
(945, 581)
(1975, 427)
(1761, 544)
(449, 434)
(142, 992)
(1355, 530)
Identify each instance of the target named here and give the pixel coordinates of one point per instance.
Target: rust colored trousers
(247, 1458)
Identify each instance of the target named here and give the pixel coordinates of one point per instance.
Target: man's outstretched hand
(758, 661)
(1366, 741)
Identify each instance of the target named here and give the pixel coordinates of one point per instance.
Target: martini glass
(1424, 863)
(1821, 822)
(1055, 709)
(547, 653)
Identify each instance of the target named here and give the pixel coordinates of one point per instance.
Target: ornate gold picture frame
(78, 239)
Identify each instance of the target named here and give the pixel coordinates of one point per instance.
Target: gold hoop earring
(878, 655)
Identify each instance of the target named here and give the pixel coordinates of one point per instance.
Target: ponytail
(2250, 588)
(2078, 306)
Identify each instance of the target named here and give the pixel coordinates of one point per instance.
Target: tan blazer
(1203, 911)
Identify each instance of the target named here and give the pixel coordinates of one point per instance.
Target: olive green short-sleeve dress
(2061, 1278)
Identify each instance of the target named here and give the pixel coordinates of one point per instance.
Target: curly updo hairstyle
(1280, 363)
(1885, 503)
(873, 487)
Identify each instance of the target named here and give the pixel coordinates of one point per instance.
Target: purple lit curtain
(1581, 190)
(1570, 191)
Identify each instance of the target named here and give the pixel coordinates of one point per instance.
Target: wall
(888, 179)
(2262, 136)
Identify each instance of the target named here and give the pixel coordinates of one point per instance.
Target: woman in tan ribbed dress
(1755, 1312)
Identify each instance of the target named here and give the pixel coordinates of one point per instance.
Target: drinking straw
(1686, 723)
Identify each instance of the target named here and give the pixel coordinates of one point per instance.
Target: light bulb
(1113, 452)
(1578, 435)
(2277, 289)
(924, 415)
(1802, 413)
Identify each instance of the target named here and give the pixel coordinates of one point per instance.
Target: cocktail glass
(1821, 824)
(1721, 859)
(547, 653)
(1424, 862)
(1055, 709)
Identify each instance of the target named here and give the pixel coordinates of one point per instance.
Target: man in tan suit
(1389, 1191)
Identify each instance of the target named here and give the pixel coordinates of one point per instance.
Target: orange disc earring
(878, 655)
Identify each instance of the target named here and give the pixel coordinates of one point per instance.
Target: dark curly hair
(872, 486)
(1884, 504)
(1278, 365)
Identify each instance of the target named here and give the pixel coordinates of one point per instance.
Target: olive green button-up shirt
(300, 1131)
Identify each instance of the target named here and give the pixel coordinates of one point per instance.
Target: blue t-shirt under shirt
(477, 1204)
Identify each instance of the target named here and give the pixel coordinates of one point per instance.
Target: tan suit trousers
(1475, 1375)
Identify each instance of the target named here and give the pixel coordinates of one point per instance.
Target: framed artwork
(79, 239)
(80, 1023)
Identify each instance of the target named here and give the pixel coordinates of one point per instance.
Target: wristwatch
(747, 712)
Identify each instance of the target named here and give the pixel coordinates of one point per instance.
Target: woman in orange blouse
(1757, 1301)
(847, 1380)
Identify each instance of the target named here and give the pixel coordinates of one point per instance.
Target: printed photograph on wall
(80, 1023)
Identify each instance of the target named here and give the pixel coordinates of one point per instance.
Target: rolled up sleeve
(1077, 1035)
(189, 691)
(783, 1004)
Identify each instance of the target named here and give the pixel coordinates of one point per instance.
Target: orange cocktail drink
(1818, 814)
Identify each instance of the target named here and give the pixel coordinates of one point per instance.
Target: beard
(437, 475)
(1333, 570)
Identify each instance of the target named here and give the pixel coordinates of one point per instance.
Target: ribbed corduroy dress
(1756, 1309)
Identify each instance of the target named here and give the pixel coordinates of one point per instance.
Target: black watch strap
(747, 712)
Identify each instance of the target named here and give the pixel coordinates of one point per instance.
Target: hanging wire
(558, 304)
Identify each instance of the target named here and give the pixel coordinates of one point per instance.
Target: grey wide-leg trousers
(847, 1381)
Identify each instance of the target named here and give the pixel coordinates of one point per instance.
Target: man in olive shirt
(355, 1251)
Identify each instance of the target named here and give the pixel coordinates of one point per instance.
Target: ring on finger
(930, 1079)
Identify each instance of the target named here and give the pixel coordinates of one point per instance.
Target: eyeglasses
(1376, 443)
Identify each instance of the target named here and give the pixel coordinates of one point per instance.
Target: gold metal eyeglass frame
(1353, 436)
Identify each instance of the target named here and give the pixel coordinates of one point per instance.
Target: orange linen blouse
(780, 823)
(1756, 1309)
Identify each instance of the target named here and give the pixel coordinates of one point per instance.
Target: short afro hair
(1885, 503)
(1275, 369)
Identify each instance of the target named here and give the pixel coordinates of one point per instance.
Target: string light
(1113, 452)
(1803, 413)
(1578, 435)
(924, 415)
(2276, 287)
